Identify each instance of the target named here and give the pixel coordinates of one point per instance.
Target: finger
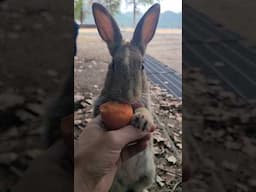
(145, 138)
(93, 129)
(97, 121)
(127, 135)
(131, 150)
(106, 181)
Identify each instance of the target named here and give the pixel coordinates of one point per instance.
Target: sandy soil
(165, 46)
(237, 15)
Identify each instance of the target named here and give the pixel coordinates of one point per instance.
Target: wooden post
(134, 12)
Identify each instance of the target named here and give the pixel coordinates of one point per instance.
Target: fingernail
(152, 129)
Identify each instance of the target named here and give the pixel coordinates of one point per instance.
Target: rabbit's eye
(142, 65)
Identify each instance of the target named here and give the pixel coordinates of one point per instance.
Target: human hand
(98, 153)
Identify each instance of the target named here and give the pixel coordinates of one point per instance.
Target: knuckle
(113, 138)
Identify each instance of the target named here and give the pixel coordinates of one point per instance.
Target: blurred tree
(83, 7)
(113, 6)
(135, 4)
(78, 10)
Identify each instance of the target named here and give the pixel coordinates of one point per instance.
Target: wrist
(82, 183)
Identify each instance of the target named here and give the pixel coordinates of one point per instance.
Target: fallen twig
(175, 186)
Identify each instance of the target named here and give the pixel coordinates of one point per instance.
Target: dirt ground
(219, 136)
(33, 64)
(90, 69)
(232, 14)
(165, 46)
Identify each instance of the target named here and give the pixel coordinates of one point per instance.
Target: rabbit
(126, 82)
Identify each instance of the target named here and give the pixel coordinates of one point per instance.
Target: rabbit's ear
(146, 28)
(107, 27)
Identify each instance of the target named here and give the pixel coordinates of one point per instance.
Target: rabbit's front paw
(142, 119)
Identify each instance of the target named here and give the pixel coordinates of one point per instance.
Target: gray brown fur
(126, 82)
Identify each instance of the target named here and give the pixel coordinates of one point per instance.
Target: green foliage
(78, 8)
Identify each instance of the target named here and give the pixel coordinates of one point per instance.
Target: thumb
(128, 134)
(131, 150)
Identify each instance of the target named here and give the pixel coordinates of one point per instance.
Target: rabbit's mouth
(135, 103)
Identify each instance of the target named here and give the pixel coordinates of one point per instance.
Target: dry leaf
(160, 181)
(89, 101)
(171, 159)
(179, 145)
(78, 97)
(229, 166)
(9, 100)
(36, 108)
(157, 150)
(157, 136)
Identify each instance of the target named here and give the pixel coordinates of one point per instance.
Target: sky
(166, 5)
